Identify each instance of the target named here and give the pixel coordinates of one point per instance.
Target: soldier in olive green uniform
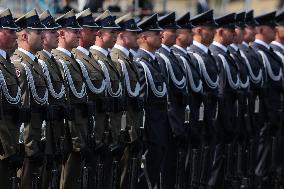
(34, 92)
(78, 118)
(55, 123)
(120, 54)
(106, 38)
(95, 83)
(10, 157)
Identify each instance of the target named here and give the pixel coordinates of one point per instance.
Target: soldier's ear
(99, 33)
(60, 33)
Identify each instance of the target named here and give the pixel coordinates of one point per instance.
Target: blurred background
(143, 7)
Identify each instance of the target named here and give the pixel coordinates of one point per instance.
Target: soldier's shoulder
(16, 60)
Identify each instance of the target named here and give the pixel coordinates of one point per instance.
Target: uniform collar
(166, 47)
(234, 46)
(245, 44)
(133, 52)
(262, 43)
(201, 46)
(180, 48)
(27, 53)
(278, 44)
(3, 53)
(123, 49)
(100, 49)
(220, 46)
(65, 51)
(83, 50)
(48, 53)
(151, 54)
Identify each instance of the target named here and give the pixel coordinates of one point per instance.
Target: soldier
(204, 31)
(34, 93)
(105, 39)
(257, 79)
(184, 39)
(278, 47)
(242, 119)
(76, 111)
(121, 55)
(229, 84)
(95, 81)
(154, 93)
(10, 157)
(175, 73)
(54, 130)
(272, 94)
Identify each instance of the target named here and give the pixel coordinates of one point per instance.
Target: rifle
(91, 143)
(180, 170)
(133, 173)
(54, 182)
(204, 166)
(35, 182)
(194, 172)
(274, 182)
(15, 182)
(228, 180)
(100, 166)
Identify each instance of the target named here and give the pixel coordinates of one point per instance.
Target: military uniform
(229, 84)
(115, 100)
(278, 48)
(124, 60)
(78, 125)
(272, 102)
(54, 130)
(154, 93)
(95, 84)
(35, 97)
(175, 74)
(10, 157)
(210, 77)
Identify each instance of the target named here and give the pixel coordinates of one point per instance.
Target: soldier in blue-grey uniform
(265, 34)
(154, 92)
(175, 74)
(204, 31)
(227, 107)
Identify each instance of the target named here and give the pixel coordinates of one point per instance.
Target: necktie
(131, 56)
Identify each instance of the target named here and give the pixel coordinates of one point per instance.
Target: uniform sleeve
(163, 67)
(142, 81)
(222, 76)
(22, 78)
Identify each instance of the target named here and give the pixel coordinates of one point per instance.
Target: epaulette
(18, 60)
(138, 59)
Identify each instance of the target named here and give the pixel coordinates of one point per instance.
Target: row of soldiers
(166, 102)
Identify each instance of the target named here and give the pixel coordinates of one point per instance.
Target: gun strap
(145, 170)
